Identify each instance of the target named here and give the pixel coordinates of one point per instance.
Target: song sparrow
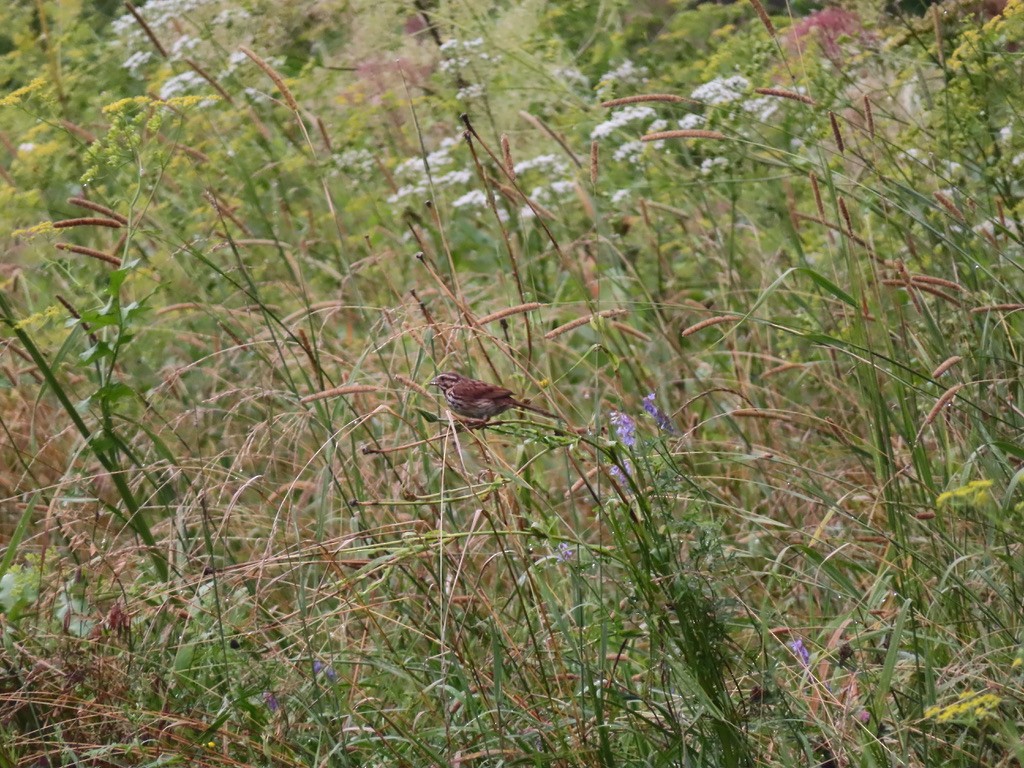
(478, 399)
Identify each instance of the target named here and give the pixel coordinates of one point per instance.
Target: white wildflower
(459, 55)
(541, 195)
(180, 84)
(356, 160)
(692, 121)
(439, 157)
(454, 64)
(620, 118)
(230, 16)
(474, 198)
(409, 190)
(136, 61)
(563, 188)
(627, 73)
(236, 58)
(474, 91)
(414, 166)
(763, 107)
(183, 45)
(453, 179)
(620, 196)
(256, 95)
(722, 90)
(630, 151)
(572, 77)
(551, 163)
(710, 164)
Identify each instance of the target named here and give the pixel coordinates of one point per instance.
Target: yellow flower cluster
(42, 228)
(970, 705)
(974, 494)
(997, 31)
(15, 97)
(52, 312)
(122, 105)
(184, 102)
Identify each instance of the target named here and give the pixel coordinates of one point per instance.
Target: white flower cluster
(547, 163)
(563, 188)
(256, 96)
(620, 118)
(137, 61)
(692, 121)
(475, 198)
(470, 92)
(181, 84)
(711, 164)
(355, 160)
(157, 13)
(184, 45)
(722, 90)
(631, 151)
(548, 166)
(412, 173)
(620, 196)
(453, 178)
(458, 55)
(626, 73)
(234, 60)
(572, 77)
(762, 108)
(230, 16)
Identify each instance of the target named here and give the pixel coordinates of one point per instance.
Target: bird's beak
(433, 382)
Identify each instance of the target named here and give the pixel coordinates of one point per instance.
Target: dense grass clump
(764, 267)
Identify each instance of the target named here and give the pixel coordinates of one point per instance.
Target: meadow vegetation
(766, 267)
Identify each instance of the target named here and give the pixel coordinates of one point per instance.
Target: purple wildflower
(271, 701)
(625, 428)
(621, 476)
(660, 417)
(319, 666)
(804, 655)
(565, 553)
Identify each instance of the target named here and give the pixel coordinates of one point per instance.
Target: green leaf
(114, 392)
(18, 535)
(829, 286)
